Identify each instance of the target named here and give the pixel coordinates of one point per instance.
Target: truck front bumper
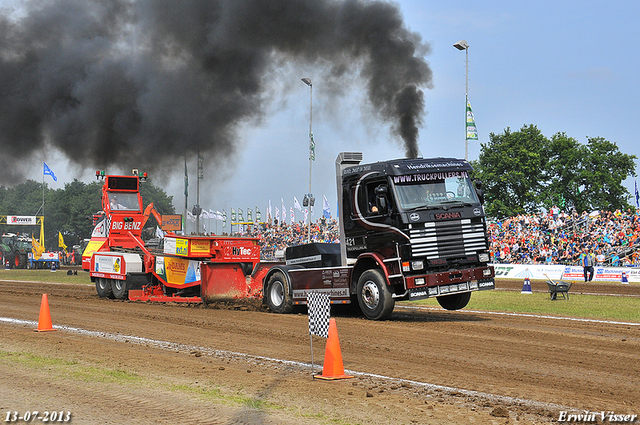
(446, 283)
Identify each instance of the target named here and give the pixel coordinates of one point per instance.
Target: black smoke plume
(142, 82)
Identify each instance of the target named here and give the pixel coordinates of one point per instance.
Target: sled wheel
(119, 289)
(278, 294)
(103, 288)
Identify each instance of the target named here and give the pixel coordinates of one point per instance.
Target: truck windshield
(122, 201)
(434, 189)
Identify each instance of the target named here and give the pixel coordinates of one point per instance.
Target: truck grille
(456, 238)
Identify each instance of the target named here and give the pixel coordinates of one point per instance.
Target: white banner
(26, 220)
(560, 272)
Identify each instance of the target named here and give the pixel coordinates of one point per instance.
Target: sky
(562, 66)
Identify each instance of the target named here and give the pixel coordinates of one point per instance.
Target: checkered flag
(319, 313)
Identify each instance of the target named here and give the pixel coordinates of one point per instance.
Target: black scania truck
(409, 229)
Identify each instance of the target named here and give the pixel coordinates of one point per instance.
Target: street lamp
(312, 154)
(462, 45)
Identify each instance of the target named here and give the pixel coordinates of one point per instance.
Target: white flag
(159, 233)
(284, 212)
(296, 204)
(293, 217)
(326, 212)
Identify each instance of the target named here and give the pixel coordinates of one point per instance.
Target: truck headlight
(486, 272)
(484, 257)
(417, 265)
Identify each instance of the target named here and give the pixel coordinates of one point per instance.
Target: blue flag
(637, 196)
(48, 172)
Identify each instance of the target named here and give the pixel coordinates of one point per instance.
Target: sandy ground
(121, 362)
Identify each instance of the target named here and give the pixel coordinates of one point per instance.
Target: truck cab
(421, 222)
(409, 229)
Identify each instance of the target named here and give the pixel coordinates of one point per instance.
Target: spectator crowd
(275, 237)
(558, 237)
(555, 237)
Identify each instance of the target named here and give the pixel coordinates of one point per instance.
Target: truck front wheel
(454, 301)
(374, 297)
(119, 289)
(103, 288)
(278, 294)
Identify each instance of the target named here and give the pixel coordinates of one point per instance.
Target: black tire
(23, 261)
(374, 297)
(278, 294)
(454, 301)
(119, 289)
(103, 288)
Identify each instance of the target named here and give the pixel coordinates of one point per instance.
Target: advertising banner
(568, 273)
(26, 220)
(109, 264)
(200, 246)
(171, 222)
(176, 246)
(177, 271)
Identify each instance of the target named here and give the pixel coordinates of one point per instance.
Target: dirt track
(136, 363)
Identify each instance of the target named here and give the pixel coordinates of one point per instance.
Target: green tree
(563, 174)
(604, 170)
(161, 201)
(69, 210)
(511, 166)
(525, 172)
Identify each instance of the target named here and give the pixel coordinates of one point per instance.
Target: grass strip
(600, 307)
(43, 275)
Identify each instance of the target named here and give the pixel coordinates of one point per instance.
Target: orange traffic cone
(44, 322)
(333, 368)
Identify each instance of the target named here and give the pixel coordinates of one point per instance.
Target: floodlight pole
(307, 81)
(462, 45)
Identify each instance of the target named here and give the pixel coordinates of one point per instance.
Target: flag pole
(312, 364)
(42, 224)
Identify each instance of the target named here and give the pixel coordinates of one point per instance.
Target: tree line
(69, 210)
(524, 172)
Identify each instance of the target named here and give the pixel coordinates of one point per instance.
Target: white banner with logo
(560, 272)
(27, 220)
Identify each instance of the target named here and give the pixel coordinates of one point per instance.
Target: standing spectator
(615, 259)
(587, 259)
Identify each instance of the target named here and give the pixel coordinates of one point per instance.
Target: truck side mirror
(479, 191)
(381, 199)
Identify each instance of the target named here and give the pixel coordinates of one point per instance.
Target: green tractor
(15, 250)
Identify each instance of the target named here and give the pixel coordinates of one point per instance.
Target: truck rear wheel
(374, 297)
(103, 288)
(278, 294)
(119, 289)
(454, 301)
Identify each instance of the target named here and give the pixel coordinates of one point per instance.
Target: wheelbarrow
(558, 288)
